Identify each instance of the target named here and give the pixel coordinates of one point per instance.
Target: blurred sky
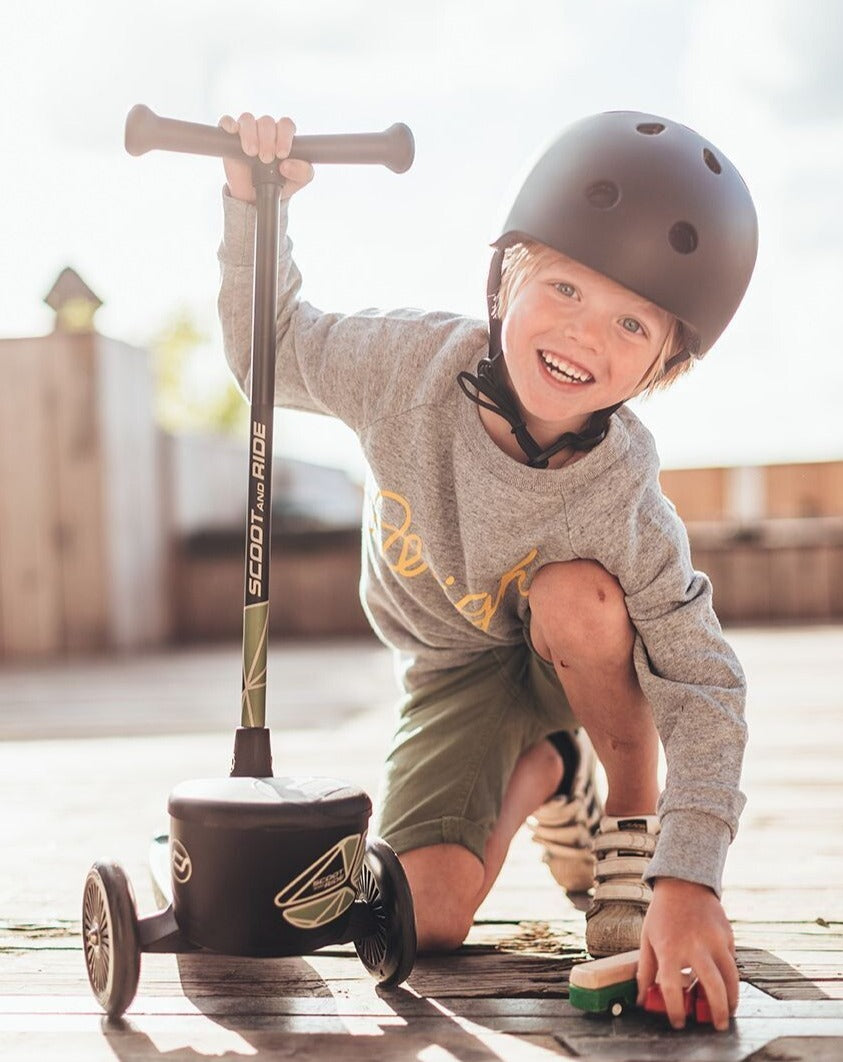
(483, 85)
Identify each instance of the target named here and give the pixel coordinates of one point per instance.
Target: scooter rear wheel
(389, 953)
(110, 937)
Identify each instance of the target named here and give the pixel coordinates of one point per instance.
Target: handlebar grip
(148, 131)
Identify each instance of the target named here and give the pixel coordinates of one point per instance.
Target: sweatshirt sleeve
(356, 367)
(688, 672)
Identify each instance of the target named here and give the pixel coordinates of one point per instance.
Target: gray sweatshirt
(454, 529)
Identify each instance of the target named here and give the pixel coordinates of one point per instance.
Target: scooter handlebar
(148, 131)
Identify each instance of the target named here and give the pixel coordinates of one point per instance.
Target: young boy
(519, 555)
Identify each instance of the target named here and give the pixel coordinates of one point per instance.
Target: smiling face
(575, 342)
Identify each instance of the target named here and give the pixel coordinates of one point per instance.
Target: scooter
(256, 865)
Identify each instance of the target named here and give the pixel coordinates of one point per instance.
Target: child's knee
(578, 615)
(445, 880)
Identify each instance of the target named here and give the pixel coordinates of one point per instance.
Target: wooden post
(83, 549)
(30, 600)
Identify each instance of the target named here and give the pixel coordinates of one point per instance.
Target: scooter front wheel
(110, 937)
(389, 952)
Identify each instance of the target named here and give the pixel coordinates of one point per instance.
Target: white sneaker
(566, 824)
(623, 847)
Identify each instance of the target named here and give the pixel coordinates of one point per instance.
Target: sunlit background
(483, 86)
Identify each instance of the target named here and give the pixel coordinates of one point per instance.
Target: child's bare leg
(580, 622)
(449, 883)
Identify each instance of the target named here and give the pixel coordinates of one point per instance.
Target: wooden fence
(755, 493)
(778, 571)
(313, 580)
(83, 554)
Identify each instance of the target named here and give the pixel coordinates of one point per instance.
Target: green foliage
(192, 392)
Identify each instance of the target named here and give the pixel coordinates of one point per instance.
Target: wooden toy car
(609, 986)
(693, 997)
(605, 986)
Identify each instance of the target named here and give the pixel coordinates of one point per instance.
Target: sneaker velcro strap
(623, 890)
(636, 823)
(626, 841)
(622, 866)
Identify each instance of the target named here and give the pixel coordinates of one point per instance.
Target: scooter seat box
(266, 866)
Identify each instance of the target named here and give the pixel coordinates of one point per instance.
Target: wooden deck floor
(113, 737)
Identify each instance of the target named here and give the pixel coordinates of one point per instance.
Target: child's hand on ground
(686, 926)
(267, 139)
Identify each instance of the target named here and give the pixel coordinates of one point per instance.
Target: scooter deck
(159, 868)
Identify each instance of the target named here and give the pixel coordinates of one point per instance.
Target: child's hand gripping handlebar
(147, 131)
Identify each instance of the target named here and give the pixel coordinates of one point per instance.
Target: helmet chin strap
(490, 381)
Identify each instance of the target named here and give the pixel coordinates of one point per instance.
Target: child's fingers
(296, 171)
(266, 138)
(228, 124)
(710, 978)
(732, 979)
(647, 968)
(672, 990)
(248, 128)
(285, 130)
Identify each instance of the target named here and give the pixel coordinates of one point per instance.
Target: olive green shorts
(456, 745)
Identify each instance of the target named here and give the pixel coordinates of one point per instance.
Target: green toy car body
(613, 999)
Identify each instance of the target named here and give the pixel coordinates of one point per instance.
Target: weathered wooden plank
(749, 586)
(246, 1019)
(463, 975)
(805, 489)
(78, 471)
(365, 1001)
(567, 1022)
(835, 580)
(536, 937)
(633, 1036)
(798, 990)
(30, 603)
(479, 972)
(137, 543)
(147, 1039)
(800, 1049)
(703, 1045)
(788, 570)
(788, 936)
(311, 593)
(809, 962)
(793, 974)
(771, 903)
(697, 493)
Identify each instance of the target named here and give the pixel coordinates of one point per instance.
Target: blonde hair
(523, 260)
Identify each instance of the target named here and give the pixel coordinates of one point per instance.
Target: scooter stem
(268, 184)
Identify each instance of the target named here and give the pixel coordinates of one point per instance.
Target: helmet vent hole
(683, 237)
(650, 128)
(711, 161)
(603, 194)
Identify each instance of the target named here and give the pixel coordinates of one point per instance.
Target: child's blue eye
(566, 289)
(633, 326)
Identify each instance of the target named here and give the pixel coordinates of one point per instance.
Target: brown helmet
(652, 205)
